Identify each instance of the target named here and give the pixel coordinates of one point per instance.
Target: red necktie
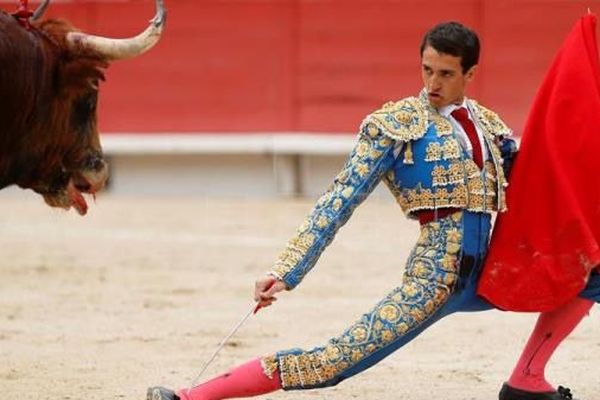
(462, 116)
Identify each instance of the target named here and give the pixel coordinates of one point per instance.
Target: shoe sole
(153, 394)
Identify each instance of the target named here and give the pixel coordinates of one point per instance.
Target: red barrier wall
(307, 65)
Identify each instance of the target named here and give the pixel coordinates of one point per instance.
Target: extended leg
(425, 296)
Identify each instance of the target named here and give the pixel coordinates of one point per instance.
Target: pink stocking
(551, 329)
(246, 380)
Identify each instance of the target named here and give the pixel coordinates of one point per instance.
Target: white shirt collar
(447, 110)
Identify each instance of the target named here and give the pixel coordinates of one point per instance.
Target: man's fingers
(264, 296)
(261, 286)
(265, 290)
(267, 302)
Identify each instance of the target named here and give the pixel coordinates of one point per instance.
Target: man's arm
(371, 157)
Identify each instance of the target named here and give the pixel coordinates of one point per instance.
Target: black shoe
(160, 393)
(511, 393)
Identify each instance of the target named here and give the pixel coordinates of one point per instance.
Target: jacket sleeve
(371, 157)
(508, 150)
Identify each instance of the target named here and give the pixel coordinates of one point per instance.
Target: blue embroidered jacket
(415, 151)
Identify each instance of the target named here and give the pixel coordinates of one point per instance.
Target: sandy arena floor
(140, 291)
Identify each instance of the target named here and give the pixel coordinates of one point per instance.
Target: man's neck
(447, 109)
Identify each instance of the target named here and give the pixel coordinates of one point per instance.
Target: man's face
(443, 77)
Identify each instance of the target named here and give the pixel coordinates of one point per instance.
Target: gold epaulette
(491, 121)
(403, 120)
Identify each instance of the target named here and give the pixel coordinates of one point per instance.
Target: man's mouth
(434, 95)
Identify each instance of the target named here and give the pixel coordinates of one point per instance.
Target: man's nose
(433, 83)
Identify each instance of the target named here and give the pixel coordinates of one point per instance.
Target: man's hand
(265, 290)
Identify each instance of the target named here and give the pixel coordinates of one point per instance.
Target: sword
(253, 310)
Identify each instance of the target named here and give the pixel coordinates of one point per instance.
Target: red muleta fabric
(544, 248)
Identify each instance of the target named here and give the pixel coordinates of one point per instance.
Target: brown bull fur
(48, 96)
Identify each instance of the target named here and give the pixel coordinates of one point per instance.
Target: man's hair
(456, 40)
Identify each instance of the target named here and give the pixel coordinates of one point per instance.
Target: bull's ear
(81, 74)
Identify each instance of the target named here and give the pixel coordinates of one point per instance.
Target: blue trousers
(440, 278)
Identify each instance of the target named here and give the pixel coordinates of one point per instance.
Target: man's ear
(470, 74)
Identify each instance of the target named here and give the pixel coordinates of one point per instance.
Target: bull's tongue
(77, 199)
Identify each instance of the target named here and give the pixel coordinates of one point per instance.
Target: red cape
(545, 246)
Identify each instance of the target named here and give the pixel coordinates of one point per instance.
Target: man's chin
(435, 100)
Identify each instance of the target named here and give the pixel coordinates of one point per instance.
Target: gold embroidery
(433, 152)
(402, 328)
(333, 353)
(388, 106)
(362, 169)
(404, 120)
(359, 334)
(451, 149)
(387, 336)
(454, 174)
(391, 175)
(372, 130)
(471, 168)
(305, 226)
(269, 366)
(490, 121)
(443, 127)
(403, 117)
(337, 204)
(343, 176)
(454, 235)
(347, 193)
(438, 176)
(293, 253)
(362, 148)
(325, 198)
(475, 186)
(385, 141)
(375, 154)
(322, 221)
(389, 312)
(416, 199)
(408, 154)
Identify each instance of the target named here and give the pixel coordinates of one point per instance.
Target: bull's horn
(37, 14)
(119, 49)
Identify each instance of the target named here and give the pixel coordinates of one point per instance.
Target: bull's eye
(84, 109)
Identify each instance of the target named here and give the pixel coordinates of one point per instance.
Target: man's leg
(551, 329)
(424, 297)
(250, 379)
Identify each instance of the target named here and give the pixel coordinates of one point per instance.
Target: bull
(49, 78)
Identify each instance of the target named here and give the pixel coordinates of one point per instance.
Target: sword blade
(222, 344)
(253, 310)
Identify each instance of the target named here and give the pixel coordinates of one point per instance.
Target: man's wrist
(279, 278)
(275, 275)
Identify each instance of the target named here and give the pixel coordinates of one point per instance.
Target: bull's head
(78, 165)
